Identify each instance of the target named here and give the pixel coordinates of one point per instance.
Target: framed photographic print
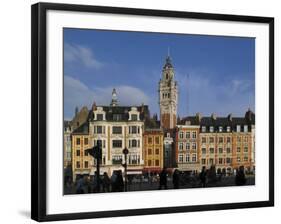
(139, 111)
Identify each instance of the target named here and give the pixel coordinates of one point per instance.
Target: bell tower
(168, 96)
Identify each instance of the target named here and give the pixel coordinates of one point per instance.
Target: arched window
(167, 75)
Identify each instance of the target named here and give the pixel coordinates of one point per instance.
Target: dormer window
(238, 128)
(220, 128)
(203, 128)
(211, 129)
(245, 128)
(228, 129)
(99, 117)
(134, 117)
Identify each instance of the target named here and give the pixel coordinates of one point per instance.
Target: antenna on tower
(168, 51)
(187, 93)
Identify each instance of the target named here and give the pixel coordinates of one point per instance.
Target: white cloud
(81, 54)
(199, 94)
(78, 94)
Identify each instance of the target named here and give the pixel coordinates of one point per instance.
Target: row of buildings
(187, 144)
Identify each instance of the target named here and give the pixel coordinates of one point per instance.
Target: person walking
(176, 179)
(106, 182)
(203, 176)
(163, 179)
(240, 178)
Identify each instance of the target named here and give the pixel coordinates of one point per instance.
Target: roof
(123, 112)
(82, 129)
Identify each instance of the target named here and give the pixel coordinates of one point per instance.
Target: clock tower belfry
(168, 96)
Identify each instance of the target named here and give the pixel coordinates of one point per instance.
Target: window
(117, 144)
(228, 139)
(238, 128)
(220, 160)
(211, 129)
(149, 162)
(116, 159)
(238, 149)
(212, 150)
(211, 140)
(187, 146)
(156, 162)
(203, 140)
(228, 160)
(194, 134)
(86, 153)
(157, 151)
(238, 139)
(86, 141)
(77, 141)
(181, 134)
(187, 158)
(220, 128)
(149, 151)
(203, 150)
(134, 130)
(220, 139)
(220, 150)
(133, 143)
(203, 161)
(77, 164)
(99, 117)
(180, 146)
(203, 128)
(99, 129)
(238, 159)
(228, 128)
(194, 157)
(157, 140)
(187, 134)
(194, 145)
(149, 140)
(245, 149)
(245, 128)
(86, 164)
(228, 150)
(117, 130)
(77, 152)
(180, 158)
(211, 161)
(134, 117)
(245, 158)
(246, 139)
(117, 117)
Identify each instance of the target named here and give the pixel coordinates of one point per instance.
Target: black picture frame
(39, 114)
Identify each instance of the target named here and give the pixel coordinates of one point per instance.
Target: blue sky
(215, 74)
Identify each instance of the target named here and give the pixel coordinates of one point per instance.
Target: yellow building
(153, 150)
(82, 162)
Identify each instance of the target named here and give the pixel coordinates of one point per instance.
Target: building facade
(82, 162)
(153, 140)
(187, 147)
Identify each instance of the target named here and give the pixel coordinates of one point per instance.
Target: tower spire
(114, 98)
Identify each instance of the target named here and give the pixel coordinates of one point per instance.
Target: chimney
(94, 106)
(213, 116)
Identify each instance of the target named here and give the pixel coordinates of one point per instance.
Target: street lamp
(125, 152)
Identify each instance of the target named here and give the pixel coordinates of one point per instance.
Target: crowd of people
(116, 183)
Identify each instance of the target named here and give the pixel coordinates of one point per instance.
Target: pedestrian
(163, 179)
(176, 179)
(240, 178)
(80, 185)
(106, 182)
(113, 181)
(119, 181)
(203, 176)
